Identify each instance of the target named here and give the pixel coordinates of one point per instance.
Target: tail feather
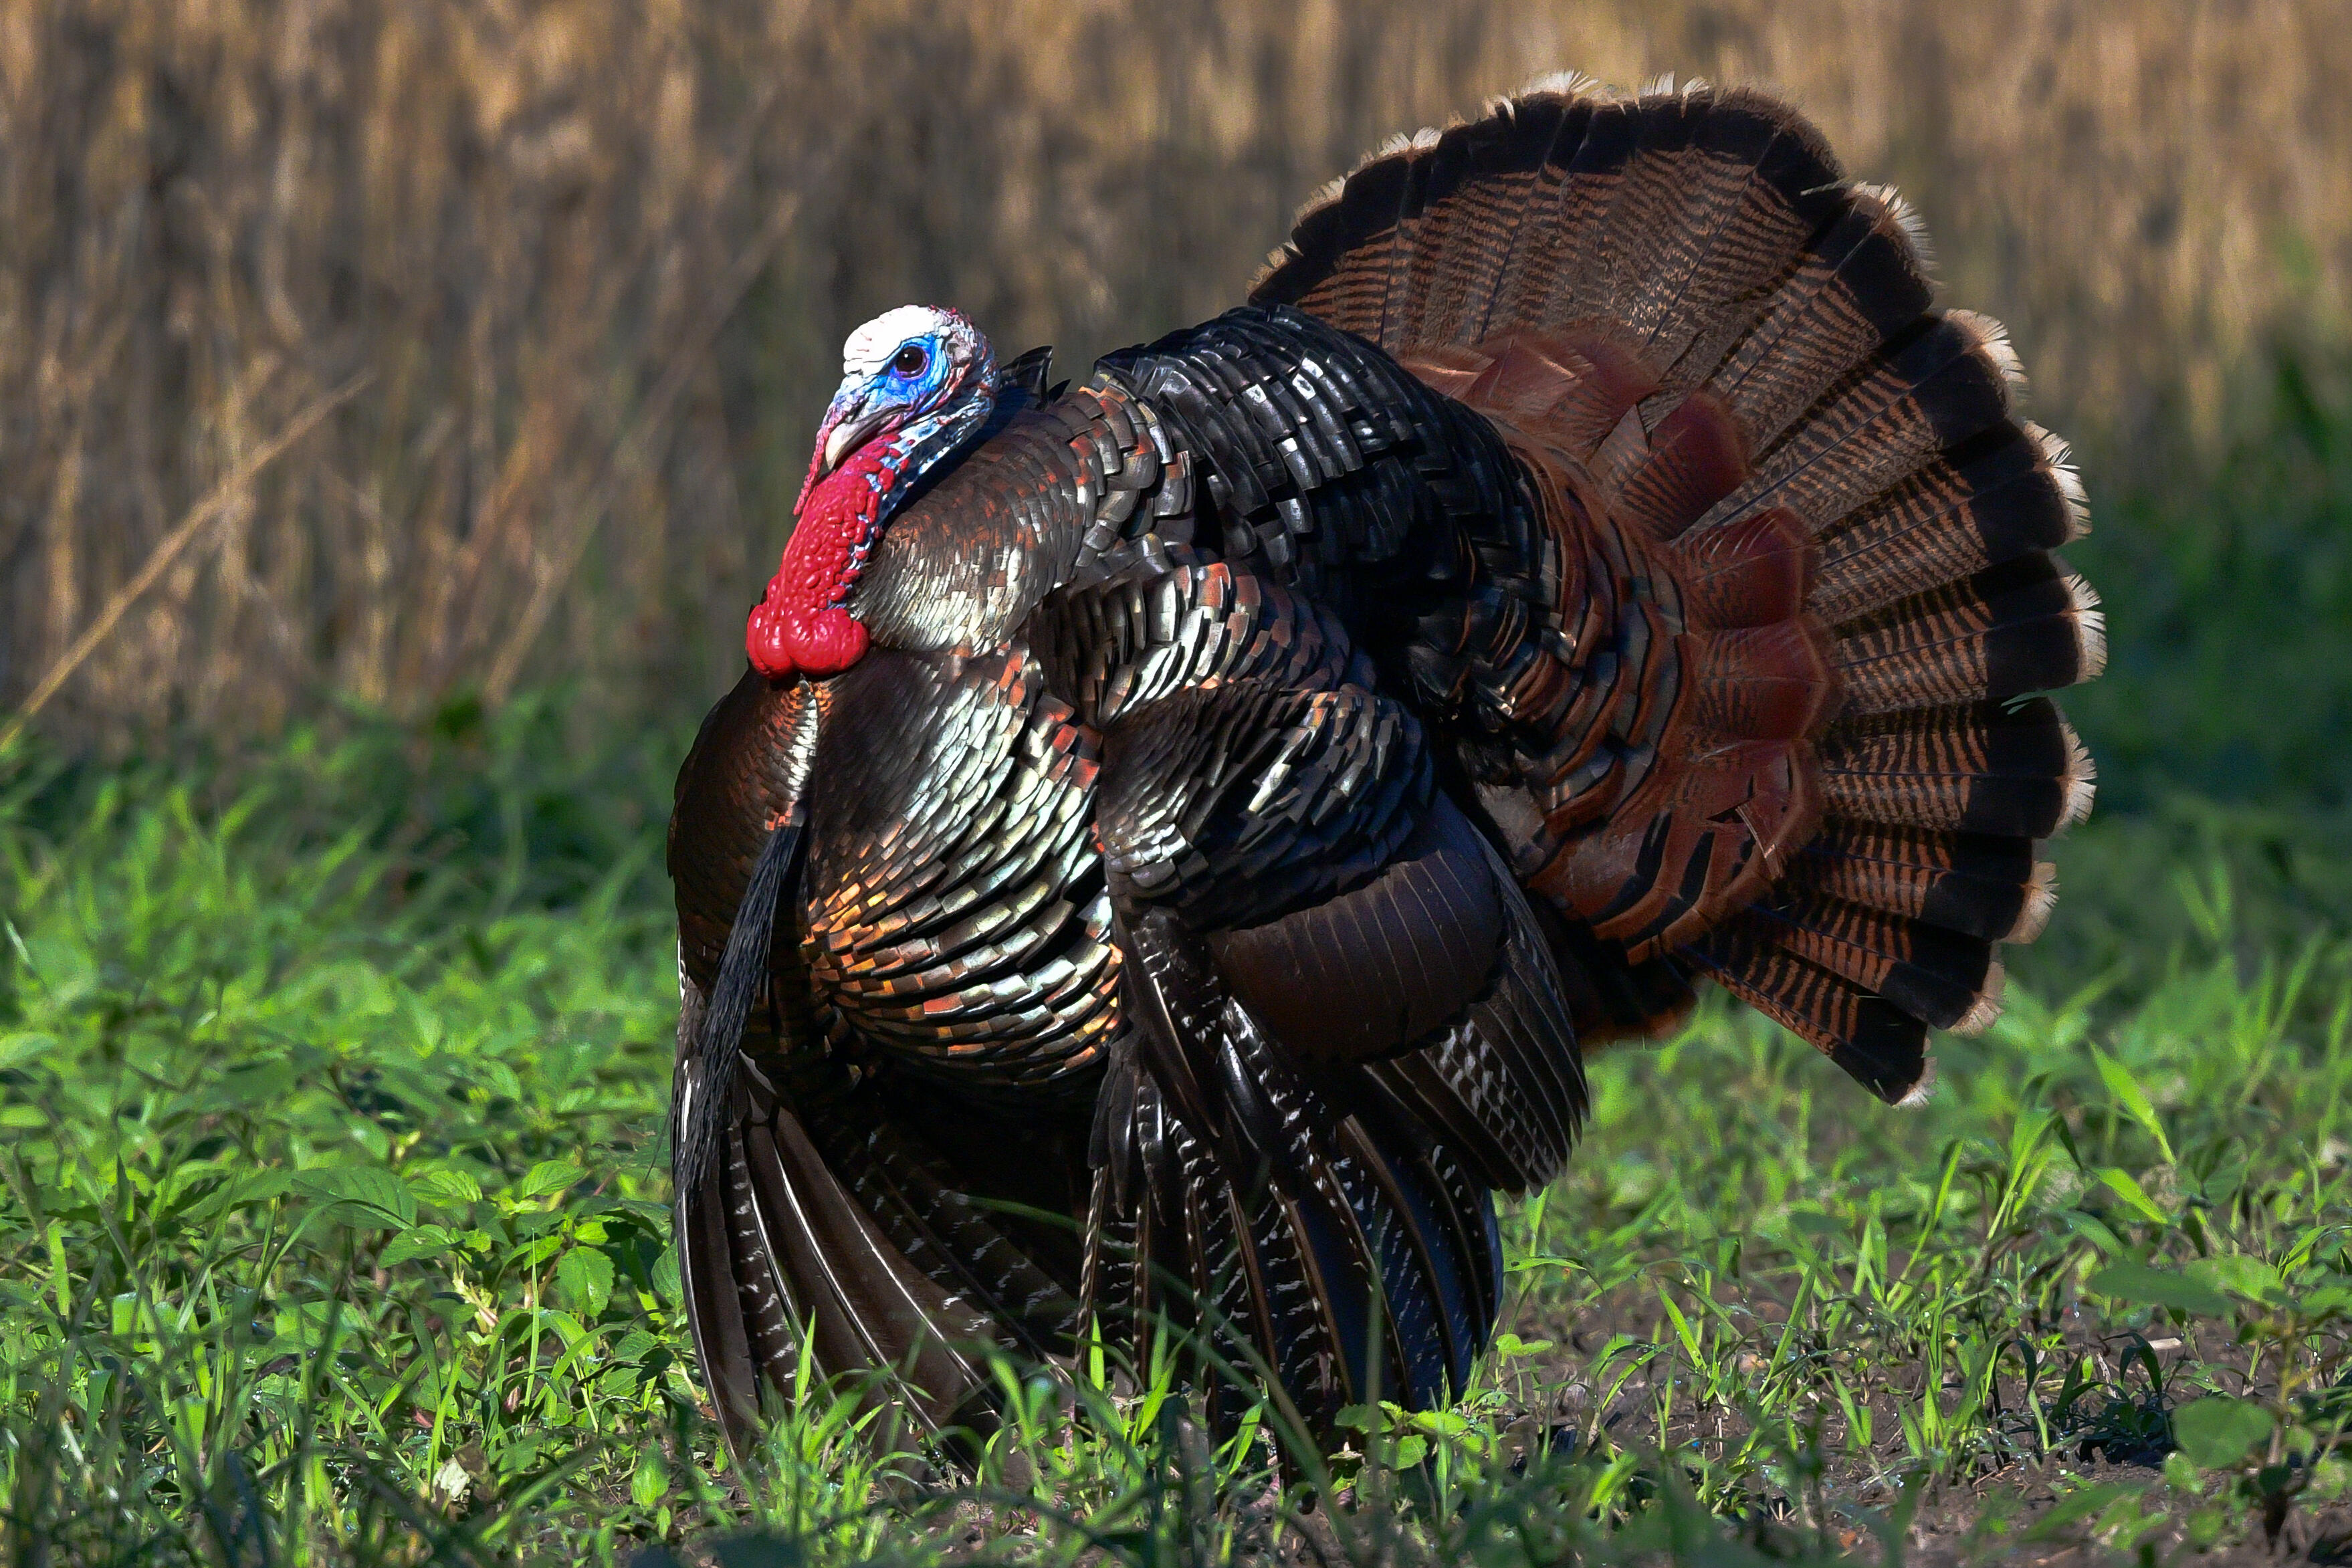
(1857, 285)
(1942, 977)
(2028, 625)
(1948, 520)
(1977, 769)
(1540, 131)
(1989, 887)
(1882, 1046)
(1884, 420)
(1695, 178)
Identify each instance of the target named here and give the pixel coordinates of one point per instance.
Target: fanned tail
(1782, 737)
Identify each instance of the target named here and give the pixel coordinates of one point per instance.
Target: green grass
(335, 1231)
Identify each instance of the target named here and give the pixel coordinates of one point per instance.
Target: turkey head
(915, 384)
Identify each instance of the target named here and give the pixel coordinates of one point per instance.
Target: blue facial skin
(913, 389)
(932, 436)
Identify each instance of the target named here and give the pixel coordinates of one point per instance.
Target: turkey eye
(910, 361)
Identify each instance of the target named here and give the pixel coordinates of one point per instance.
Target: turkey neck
(960, 566)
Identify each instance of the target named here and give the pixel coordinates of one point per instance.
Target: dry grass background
(595, 258)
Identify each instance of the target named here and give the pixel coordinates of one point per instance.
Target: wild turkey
(1179, 834)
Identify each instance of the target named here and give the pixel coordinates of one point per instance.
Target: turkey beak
(847, 422)
(848, 436)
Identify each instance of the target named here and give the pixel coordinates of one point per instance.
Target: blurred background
(594, 258)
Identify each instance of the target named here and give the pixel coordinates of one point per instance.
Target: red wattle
(801, 627)
(827, 642)
(763, 639)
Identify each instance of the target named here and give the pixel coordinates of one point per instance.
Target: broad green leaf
(264, 1083)
(586, 1276)
(651, 1479)
(2219, 1431)
(2327, 1302)
(2138, 1283)
(499, 1077)
(550, 1176)
(424, 1241)
(667, 1283)
(363, 1196)
(535, 1253)
(2241, 1276)
(255, 1187)
(20, 1046)
(446, 1189)
(2094, 1229)
(2126, 1185)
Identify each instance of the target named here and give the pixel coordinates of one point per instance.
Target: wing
(1347, 1026)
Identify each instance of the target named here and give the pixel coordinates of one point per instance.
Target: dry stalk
(215, 505)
